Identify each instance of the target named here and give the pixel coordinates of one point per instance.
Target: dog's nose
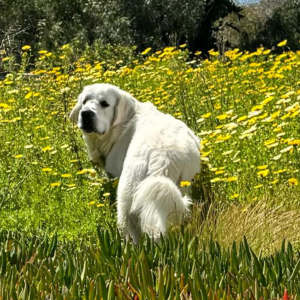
(87, 114)
(87, 121)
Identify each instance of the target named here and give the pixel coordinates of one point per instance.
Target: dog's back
(163, 152)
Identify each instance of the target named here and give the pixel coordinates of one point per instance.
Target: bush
(265, 24)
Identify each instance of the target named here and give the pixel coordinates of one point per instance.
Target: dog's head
(101, 107)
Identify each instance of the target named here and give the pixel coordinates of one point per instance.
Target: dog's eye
(104, 104)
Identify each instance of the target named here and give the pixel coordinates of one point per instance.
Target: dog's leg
(129, 221)
(124, 201)
(134, 228)
(122, 214)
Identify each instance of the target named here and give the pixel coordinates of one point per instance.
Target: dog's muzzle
(87, 121)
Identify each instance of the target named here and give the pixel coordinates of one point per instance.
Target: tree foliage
(144, 23)
(266, 23)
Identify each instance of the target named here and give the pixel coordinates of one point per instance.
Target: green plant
(180, 266)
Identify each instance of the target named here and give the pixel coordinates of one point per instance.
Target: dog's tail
(158, 202)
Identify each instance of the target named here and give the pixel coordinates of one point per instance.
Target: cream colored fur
(149, 151)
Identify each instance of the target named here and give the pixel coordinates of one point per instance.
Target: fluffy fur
(149, 151)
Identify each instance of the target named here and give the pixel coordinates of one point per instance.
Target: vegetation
(202, 25)
(244, 106)
(265, 22)
(43, 268)
(157, 24)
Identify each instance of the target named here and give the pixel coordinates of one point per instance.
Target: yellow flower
(267, 51)
(215, 179)
(106, 194)
(234, 196)
(258, 186)
(275, 181)
(28, 95)
(47, 148)
(83, 171)
(213, 53)
(263, 173)
(206, 115)
(222, 117)
(185, 183)
(281, 44)
(92, 203)
(205, 154)
(66, 175)
(222, 138)
(269, 142)
(26, 47)
(146, 51)
(219, 172)
(100, 205)
(66, 46)
(46, 169)
(280, 171)
(294, 142)
(4, 105)
(230, 179)
(169, 49)
(293, 181)
(262, 167)
(55, 184)
(18, 156)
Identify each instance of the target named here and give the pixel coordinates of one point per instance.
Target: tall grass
(244, 106)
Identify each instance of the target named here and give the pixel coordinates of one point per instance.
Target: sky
(247, 1)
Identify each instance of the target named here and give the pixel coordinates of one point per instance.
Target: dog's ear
(76, 109)
(125, 108)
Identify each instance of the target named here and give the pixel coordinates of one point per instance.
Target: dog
(151, 153)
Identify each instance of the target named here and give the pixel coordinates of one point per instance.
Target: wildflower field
(245, 108)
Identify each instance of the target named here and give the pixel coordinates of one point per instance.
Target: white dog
(149, 151)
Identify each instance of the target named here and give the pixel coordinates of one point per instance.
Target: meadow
(58, 213)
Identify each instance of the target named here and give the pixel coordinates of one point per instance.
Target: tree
(160, 23)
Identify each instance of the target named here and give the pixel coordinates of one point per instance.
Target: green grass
(244, 106)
